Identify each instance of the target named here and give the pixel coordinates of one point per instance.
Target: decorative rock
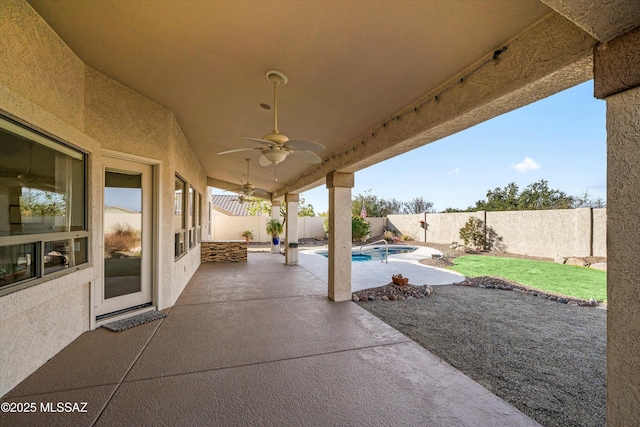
(507, 288)
(401, 298)
(584, 304)
(489, 286)
(370, 298)
(593, 302)
(499, 287)
(481, 286)
(428, 291)
(534, 293)
(602, 266)
(415, 296)
(541, 295)
(559, 259)
(563, 300)
(385, 298)
(364, 299)
(573, 303)
(392, 298)
(355, 299)
(408, 297)
(576, 261)
(553, 298)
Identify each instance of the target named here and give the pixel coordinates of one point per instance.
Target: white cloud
(528, 164)
(454, 171)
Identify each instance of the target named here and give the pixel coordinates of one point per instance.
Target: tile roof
(228, 204)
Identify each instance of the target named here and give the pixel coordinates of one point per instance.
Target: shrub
(405, 237)
(473, 232)
(388, 235)
(360, 228)
(123, 238)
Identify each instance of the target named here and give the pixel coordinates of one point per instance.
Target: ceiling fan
(279, 146)
(248, 189)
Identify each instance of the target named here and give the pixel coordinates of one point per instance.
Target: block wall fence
(545, 233)
(565, 232)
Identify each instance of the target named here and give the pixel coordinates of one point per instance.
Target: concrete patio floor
(257, 343)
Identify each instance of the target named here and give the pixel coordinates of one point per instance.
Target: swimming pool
(374, 252)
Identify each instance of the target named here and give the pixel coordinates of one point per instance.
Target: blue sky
(561, 139)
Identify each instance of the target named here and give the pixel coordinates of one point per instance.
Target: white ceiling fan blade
(260, 191)
(261, 141)
(237, 150)
(304, 145)
(263, 161)
(307, 156)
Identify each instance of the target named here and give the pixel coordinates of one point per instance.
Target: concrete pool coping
(372, 274)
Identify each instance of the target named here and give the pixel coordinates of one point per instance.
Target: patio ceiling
(351, 64)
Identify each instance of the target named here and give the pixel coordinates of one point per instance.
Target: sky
(561, 139)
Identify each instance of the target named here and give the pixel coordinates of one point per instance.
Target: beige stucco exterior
(45, 85)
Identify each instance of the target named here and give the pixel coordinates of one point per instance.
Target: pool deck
(374, 273)
(256, 343)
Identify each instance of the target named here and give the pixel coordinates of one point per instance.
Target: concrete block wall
(231, 227)
(564, 232)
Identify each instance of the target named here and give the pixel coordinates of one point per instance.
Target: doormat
(131, 322)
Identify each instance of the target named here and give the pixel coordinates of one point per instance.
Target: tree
(500, 199)
(360, 228)
(539, 196)
(42, 203)
(263, 207)
(375, 207)
(257, 206)
(418, 205)
(535, 196)
(305, 209)
(584, 200)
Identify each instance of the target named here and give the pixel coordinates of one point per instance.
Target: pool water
(374, 253)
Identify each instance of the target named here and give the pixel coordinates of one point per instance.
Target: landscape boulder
(599, 266)
(576, 261)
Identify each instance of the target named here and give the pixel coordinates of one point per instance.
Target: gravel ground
(543, 357)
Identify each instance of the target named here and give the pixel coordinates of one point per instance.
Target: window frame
(24, 130)
(183, 219)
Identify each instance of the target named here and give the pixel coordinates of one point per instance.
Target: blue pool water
(373, 253)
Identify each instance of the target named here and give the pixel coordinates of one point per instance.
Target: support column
(291, 249)
(617, 79)
(340, 185)
(275, 214)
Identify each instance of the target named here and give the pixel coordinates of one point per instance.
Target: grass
(577, 282)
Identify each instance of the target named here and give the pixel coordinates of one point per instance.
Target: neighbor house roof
(228, 204)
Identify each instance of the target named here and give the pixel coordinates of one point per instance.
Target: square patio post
(291, 249)
(339, 185)
(275, 214)
(617, 80)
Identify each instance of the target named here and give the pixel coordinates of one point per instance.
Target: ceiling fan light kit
(279, 146)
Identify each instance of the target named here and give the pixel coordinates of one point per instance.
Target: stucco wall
(43, 83)
(547, 233)
(623, 269)
(408, 224)
(231, 227)
(565, 232)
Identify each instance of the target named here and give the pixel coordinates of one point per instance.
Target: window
(199, 219)
(43, 228)
(179, 217)
(193, 214)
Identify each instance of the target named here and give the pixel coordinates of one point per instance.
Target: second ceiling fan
(279, 146)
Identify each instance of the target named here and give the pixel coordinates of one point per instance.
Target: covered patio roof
(367, 79)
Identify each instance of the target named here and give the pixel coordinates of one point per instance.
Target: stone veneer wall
(223, 251)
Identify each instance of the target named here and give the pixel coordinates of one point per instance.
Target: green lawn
(578, 282)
